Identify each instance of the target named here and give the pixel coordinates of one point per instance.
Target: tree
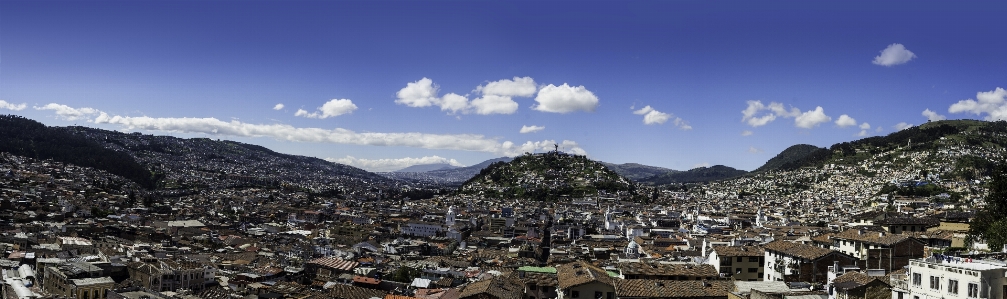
(989, 224)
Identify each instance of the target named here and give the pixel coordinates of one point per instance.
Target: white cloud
(494, 104)
(902, 126)
(454, 102)
(894, 54)
(653, 117)
(284, 132)
(69, 113)
(865, 126)
(698, 165)
(846, 121)
(511, 149)
(747, 133)
(811, 118)
(992, 103)
(496, 96)
(278, 106)
(422, 93)
(774, 109)
(12, 106)
(531, 129)
(518, 87)
(565, 99)
(754, 150)
(862, 133)
(333, 108)
(385, 165)
(933, 116)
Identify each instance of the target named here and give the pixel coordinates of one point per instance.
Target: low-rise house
(583, 280)
(793, 262)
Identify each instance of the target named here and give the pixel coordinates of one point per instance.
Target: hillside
(787, 157)
(637, 172)
(948, 158)
(197, 163)
(25, 137)
(695, 175)
(548, 176)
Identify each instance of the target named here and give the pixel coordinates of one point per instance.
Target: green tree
(989, 224)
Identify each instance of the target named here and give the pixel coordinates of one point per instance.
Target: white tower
(759, 217)
(449, 219)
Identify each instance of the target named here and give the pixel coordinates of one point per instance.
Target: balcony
(899, 282)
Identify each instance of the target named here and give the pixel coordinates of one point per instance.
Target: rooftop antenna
(556, 146)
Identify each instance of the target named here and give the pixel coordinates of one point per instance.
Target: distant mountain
(696, 175)
(547, 176)
(449, 177)
(637, 172)
(427, 167)
(788, 157)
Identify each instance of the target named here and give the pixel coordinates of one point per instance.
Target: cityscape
(172, 150)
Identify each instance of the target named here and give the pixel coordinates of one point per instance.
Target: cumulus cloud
(811, 118)
(69, 113)
(747, 133)
(751, 114)
(894, 54)
(863, 129)
(653, 117)
(12, 106)
(754, 150)
(496, 96)
(278, 106)
(846, 121)
(422, 93)
(518, 87)
(531, 129)
(565, 99)
(386, 165)
(512, 149)
(902, 126)
(333, 108)
(494, 104)
(992, 103)
(933, 116)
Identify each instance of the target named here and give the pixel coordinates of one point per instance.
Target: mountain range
(164, 162)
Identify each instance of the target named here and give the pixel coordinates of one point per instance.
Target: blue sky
(384, 84)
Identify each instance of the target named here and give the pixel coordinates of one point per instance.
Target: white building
(950, 278)
(421, 229)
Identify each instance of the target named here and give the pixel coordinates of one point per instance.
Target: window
(737, 271)
(753, 270)
(753, 259)
(598, 295)
(533, 287)
(610, 295)
(952, 286)
(935, 282)
(574, 294)
(917, 279)
(739, 259)
(973, 290)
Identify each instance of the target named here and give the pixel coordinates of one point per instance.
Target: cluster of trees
(989, 224)
(25, 137)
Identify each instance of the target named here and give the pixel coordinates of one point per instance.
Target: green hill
(25, 137)
(787, 157)
(549, 176)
